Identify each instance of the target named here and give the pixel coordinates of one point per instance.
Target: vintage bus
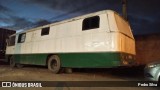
(98, 40)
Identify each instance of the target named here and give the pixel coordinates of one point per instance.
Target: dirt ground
(38, 73)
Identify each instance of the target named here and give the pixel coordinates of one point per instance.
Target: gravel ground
(38, 73)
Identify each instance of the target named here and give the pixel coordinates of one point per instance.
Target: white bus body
(98, 40)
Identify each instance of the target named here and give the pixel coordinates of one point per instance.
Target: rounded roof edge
(67, 20)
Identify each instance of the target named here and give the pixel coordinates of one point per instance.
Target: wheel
(19, 65)
(54, 64)
(12, 62)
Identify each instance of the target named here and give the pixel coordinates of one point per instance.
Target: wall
(147, 48)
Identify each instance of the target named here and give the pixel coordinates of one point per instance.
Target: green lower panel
(77, 60)
(35, 59)
(90, 60)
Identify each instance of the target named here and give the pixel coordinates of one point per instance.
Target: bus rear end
(125, 43)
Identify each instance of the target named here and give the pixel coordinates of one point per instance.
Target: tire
(54, 64)
(12, 62)
(19, 65)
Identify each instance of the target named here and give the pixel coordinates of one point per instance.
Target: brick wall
(147, 48)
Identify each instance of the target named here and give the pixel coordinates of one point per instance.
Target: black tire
(12, 62)
(54, 64)
(19, 65)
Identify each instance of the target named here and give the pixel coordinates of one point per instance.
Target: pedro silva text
(14, 84)
(147, 84)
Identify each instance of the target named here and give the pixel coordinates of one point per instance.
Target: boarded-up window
(45, 31)
(21, 38)
(91, 23)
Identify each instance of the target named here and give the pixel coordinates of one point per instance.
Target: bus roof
(67, 20)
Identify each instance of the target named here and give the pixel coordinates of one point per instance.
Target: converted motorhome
(98, 40)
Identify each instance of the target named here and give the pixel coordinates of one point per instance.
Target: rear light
(125, 62)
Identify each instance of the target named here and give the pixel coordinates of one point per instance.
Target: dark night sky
(143, 15)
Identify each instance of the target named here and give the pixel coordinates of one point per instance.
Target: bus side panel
(35, 59)
(90, 60)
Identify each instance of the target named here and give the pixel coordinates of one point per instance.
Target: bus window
(21, 38)
(11, 41)
(90, 23)
(45, 31)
